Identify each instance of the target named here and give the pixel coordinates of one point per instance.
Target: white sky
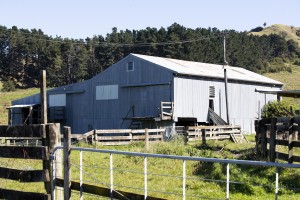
(85, 18)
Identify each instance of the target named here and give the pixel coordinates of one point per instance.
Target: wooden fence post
(203, 131)
(53, 140)
(290, 139)
(67, 166)
(185, 135)
(272, 152)
(147, 138)
(263, 131)
(95, 138)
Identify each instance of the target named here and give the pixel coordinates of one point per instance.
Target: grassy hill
(290, 80)
(7, 97)
(288, 32)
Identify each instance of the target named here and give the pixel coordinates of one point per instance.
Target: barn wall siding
(191, 99)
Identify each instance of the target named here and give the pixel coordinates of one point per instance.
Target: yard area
(165, 176)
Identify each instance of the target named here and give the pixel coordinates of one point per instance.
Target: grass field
(166, 175)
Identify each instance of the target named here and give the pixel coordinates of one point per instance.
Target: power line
(106, 43)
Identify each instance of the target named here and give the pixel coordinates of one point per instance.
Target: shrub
(276, 109)
(8, 86)
(257, 29)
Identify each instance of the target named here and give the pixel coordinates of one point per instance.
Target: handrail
(227, 161)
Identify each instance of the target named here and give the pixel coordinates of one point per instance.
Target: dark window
(130, 66)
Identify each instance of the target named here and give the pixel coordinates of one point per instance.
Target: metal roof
(207, 70)
(21, 106)
(284, 93)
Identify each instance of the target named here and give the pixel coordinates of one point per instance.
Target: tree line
(23, 53)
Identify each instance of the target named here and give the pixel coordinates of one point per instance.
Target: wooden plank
(272, 145)
(296, 143)
(105, 192)
(25, 152)
(214, 127)
(114, 143)
(282, 142)
(296, 158)
(290, 141)
(25, 175)
(109, 138)
(113, 131)
(211, 138)
(21, 138)
(282, 156)
(14, 194)
(20, 131)
(90, 133)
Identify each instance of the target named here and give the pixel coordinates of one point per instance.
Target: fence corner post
(67, 164)
(147, 138)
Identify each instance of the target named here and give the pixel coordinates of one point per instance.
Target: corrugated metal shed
(143, 82)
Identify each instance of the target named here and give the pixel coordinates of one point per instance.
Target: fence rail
(281, 131)
(204, 133)
(112, 193)
(49, 136)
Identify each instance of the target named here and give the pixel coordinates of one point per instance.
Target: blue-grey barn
(146, 91)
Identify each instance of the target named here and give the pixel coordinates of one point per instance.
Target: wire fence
(149, 175)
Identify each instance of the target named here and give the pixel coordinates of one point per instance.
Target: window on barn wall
(106, 92)
(130, 66)
(212, 95)
(57, 100)
(212, 92)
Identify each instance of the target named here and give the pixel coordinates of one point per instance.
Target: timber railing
(20, 142)
(271, 133)
(123, 136)
(194, 133)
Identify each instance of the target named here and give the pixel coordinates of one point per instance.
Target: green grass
(165, 175)
(290, 80)
(7, 97)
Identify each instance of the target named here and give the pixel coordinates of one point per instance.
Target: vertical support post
(95, 137)
(183, 179)
(53, 196)
(225, 79)
(186, 135)
(43, 97)
(111, 175)
(80, 175)
(147, 139)
(276, 183)
(203, 136)
(145, 178)
(272, 152)
(227, 180)
(290, 139)
(263, 131)
(67, 166)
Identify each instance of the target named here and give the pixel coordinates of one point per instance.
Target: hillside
(288, 32)
(7, 97)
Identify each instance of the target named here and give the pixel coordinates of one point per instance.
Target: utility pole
(225, 65)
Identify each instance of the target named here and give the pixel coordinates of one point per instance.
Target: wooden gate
(28, 142)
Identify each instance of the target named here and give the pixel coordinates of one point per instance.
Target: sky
(86, 18)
